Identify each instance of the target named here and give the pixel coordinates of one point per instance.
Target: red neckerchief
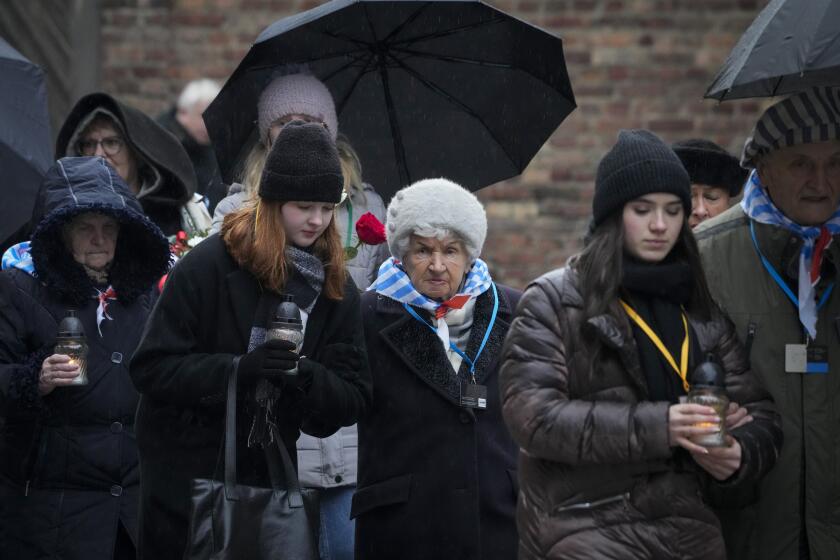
(822, 243)
(102, 309)
(455, 302)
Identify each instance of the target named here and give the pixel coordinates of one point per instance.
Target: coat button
(116, 357)
(116, 427)
(116, 490)
(464, 418)
(338, 479)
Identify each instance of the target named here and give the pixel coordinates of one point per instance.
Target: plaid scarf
(394, 283)
(816, 240)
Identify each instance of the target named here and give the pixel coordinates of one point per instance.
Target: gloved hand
(270, 360)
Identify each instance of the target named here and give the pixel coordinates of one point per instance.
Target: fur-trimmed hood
(169, 177)
(89, 184)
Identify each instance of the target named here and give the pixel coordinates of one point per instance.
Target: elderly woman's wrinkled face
(436, 266)
(103, 139)
(92, 239)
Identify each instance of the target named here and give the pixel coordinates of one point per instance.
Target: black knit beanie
(640, 163)
(709, 164)
(303, 165)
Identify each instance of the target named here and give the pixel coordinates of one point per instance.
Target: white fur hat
(432, 205)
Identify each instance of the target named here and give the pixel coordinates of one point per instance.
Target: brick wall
(633, 63)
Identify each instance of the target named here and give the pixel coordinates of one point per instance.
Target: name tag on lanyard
(806, 358)
(472, 395)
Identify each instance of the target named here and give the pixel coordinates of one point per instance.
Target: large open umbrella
(25, 143)
(434, 88)
(791, 46)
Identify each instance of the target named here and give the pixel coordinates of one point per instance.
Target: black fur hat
(709, 164)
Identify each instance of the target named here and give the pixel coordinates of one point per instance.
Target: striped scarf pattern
(393, 282)
(816, 239)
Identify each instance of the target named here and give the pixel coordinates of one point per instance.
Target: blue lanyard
(779, 280)
(452, 344)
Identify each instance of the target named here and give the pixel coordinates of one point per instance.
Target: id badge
(817, 359)
(796, 358)
(474, 396)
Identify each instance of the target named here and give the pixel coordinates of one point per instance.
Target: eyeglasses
(110, 145)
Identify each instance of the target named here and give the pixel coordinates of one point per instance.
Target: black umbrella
(791, 46)
(423, 89)
(25, 143)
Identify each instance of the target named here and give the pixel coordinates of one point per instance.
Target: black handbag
(234, 522)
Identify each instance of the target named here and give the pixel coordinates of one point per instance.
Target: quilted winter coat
(598, 478)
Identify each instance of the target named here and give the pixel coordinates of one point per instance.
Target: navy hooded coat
(68, 460)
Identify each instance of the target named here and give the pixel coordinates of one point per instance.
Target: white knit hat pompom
(435, 204)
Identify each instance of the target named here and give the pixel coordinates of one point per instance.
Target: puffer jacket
(598, 478)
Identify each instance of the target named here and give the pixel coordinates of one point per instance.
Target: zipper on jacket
(751, 328)
(594, 504)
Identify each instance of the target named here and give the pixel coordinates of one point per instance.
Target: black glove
(271, 360)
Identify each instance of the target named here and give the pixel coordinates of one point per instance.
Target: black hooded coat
(68, 460)
(165, 170)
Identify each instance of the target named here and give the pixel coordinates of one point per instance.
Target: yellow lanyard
(682, 371)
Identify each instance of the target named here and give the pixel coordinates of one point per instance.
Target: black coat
(156, 147)
(435, 480)
(68, 460)
(202, 321)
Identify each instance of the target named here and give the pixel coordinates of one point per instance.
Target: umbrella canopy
(791, 46)
(445, 88)
(25, 144)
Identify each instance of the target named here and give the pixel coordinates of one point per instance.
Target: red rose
(370, 230)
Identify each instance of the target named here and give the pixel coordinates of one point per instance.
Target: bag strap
(289, 474)
(230, 434)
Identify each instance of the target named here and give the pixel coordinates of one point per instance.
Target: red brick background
(633, 63)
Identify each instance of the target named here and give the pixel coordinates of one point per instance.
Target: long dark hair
(600, 270)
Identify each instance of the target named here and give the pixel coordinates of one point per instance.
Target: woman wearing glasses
(148, 158)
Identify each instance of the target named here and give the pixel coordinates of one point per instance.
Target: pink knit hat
(301, 94)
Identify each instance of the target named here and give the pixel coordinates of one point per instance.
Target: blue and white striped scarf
(19, 256)
(393, 282)
(758, 206)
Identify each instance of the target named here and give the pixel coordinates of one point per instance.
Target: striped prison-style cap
(803, 118)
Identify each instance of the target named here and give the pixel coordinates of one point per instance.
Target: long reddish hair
(256, 239)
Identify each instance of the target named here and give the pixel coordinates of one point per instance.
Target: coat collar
(421, 351)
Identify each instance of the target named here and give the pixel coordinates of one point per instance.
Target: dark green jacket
(806, 480)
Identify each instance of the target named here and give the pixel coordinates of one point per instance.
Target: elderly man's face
(436, 266)
(92, 239)
(804, 181)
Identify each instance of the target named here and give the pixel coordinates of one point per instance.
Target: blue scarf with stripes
(758, 206)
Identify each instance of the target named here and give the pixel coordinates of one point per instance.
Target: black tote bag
(234, 522)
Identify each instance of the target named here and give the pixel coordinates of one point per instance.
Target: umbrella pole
(399, 149)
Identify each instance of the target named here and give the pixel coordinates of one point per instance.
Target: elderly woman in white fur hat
(437, 467)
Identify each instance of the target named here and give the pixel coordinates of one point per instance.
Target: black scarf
(657, 292)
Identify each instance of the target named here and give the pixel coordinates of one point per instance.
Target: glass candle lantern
(71, 341)
(287, 325)
(708, 389)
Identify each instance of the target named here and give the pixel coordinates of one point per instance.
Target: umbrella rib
(447, 58)
(340, 105)
(407, 21)
(458, 103)
(450, 31)
(399, 148)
